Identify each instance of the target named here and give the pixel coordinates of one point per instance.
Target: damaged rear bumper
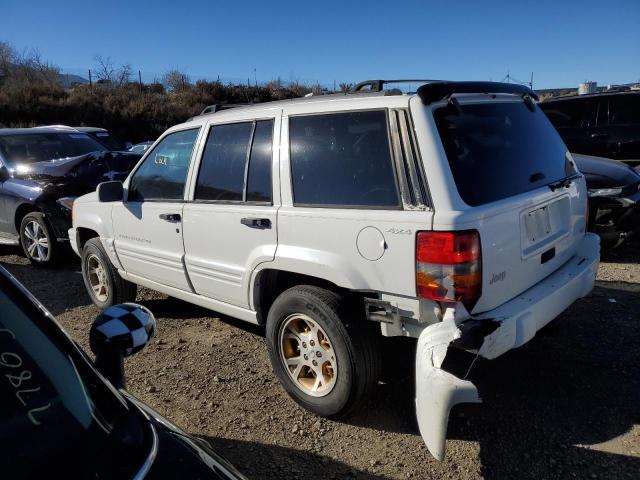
(491, 334)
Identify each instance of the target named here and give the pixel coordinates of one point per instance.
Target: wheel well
(22, 211)
(84, 235)
(270, 283)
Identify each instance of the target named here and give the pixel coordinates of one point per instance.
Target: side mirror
(4, 173)
(110, 191)
(119, 331)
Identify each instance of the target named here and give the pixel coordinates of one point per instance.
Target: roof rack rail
(378, 85)
(439, 90)
(222, 106)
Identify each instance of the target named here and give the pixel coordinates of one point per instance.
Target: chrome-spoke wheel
(36, 241)
(97, 276)
(307, 354)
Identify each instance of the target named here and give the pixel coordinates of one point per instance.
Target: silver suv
(453, 214)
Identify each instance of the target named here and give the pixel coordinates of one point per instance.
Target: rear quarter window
(498, 150)
(342, 159)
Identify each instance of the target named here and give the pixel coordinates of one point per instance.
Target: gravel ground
(565, 405)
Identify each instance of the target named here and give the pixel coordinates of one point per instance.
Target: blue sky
(561, 42)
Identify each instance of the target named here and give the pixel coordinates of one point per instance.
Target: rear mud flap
(437, 391)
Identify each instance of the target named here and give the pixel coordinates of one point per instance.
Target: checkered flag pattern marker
(127, 325)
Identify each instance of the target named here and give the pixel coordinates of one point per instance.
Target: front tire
(103, 282)
(37, 240)
(321, 351)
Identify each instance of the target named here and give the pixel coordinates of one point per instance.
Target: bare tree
(105, 69)
(8, 57)
(123, 74)
(346, 87)
(175, 80)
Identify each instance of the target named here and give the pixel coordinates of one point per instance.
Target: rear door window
(342, 159)
(259, 174)
(497, 150)
(236, 163)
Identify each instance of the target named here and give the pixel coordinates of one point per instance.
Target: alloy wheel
(36, 240)
(97, 277)
(308, 356)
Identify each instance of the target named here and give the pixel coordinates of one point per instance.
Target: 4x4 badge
(399, 231)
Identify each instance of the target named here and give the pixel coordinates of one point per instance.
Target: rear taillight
(449, 266)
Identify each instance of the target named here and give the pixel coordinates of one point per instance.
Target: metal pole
(90, 82)
(140, 79)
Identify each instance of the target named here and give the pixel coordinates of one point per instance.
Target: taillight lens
(449, 266)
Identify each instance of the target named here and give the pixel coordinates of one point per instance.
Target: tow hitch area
(436, 389)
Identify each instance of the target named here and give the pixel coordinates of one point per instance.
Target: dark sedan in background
(61, 416)
(106, 138)
(42, 170)
(614, 198)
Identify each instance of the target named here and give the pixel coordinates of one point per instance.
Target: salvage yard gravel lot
(566, 405)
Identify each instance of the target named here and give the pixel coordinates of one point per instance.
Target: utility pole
(140, 79)
(531, 82)
(255, 77)
(90, 82)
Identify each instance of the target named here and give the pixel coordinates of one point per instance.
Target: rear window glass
(497, 150)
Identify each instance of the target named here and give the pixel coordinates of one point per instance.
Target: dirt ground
(565, 405)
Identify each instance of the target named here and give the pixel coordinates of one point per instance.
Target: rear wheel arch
(269, 283)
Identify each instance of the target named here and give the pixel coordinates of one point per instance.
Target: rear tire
(312, 321)
(38, 242)
(103, 282)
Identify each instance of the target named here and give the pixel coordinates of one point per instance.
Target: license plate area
(538, 224)
(544, 226)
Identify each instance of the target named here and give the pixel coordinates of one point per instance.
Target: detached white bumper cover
(492, 334)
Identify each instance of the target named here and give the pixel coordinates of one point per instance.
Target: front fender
(96, 217)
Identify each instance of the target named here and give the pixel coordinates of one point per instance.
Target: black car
(42, 170)
(106, 138)
(61, 415)
(614, 198)
(602, 124)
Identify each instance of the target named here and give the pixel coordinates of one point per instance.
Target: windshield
(500, 149)
(38, 147)
(109, 141)
(57, 415)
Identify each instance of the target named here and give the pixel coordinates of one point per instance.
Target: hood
(88, 170)
(605, 173)
(50, 168)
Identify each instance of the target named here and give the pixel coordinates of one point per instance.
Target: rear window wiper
(565, 182)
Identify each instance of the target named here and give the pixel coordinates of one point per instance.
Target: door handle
(170, 217)
(256, 222)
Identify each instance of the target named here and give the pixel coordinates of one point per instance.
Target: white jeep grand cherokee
(454, 215)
